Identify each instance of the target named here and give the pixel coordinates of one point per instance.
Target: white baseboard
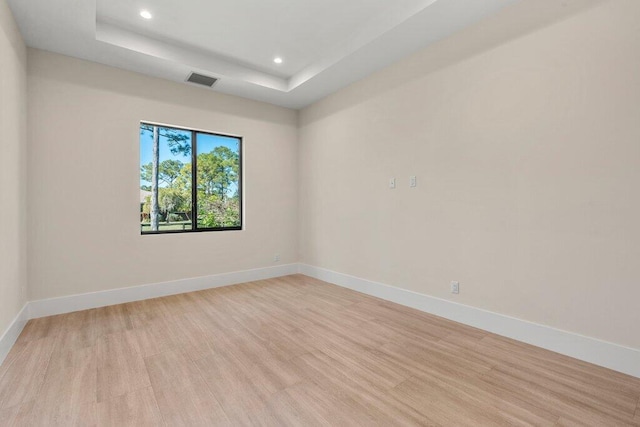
(609, 355)
(602, 353)
(13, 332)
(68, 304)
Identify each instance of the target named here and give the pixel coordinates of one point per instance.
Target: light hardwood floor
(294, 351)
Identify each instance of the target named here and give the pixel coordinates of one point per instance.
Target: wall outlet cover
(455, 287)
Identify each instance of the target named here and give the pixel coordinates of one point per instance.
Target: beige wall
(528, 164)
(13, 186)
(84, 207)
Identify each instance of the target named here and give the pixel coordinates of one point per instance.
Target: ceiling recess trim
(209, 64)
(108, 32)
(75, 28)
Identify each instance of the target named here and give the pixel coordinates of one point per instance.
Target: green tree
(217, 171)
(213, 212)
(168, 171)
(183, 180)
(173, 200)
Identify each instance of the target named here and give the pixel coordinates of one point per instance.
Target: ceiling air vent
(199, 79)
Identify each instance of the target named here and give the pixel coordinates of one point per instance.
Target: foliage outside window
(189, 180)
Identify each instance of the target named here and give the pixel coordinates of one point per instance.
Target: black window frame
(194, 180)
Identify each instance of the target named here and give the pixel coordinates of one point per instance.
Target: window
(189, 180)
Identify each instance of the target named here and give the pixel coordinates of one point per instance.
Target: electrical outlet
(455, 287)
(392, 183)
(276, 258)
(413, 182)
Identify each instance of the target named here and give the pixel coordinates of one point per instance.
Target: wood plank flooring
(294, 351)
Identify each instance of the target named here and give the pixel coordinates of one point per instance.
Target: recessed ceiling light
(277, 60)
(146, 14)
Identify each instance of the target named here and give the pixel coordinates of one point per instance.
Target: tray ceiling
(324, 44)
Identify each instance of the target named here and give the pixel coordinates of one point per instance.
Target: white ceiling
(325, 44)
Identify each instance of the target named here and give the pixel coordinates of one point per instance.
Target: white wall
(13, 183)
(83, 161)
(528, 164)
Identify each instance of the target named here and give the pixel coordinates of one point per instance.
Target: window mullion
(194, 180)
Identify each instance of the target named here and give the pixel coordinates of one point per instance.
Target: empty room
(319, 212)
